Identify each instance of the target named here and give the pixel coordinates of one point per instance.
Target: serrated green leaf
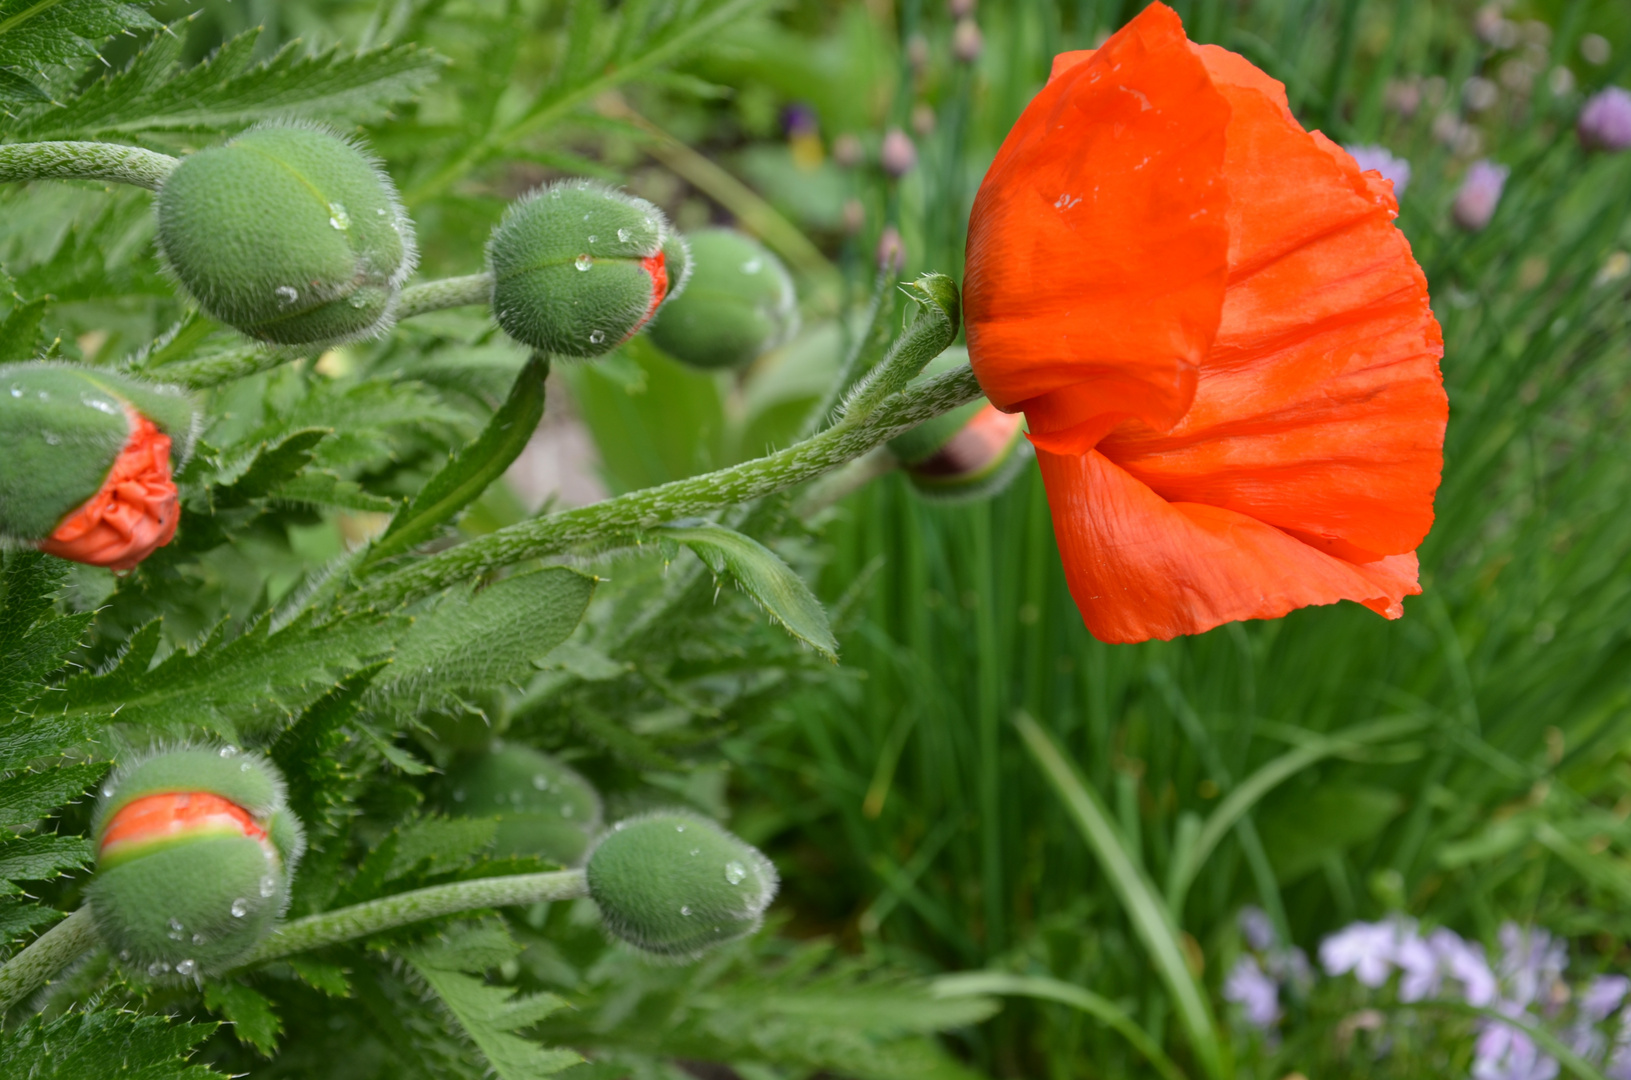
(34, 35)
(490, 637)
(30, 796)
(20, 332)
(31, 649)
(252, 1017)
(307, 752)
(18, 917)
(763, 576)
(40, 858)
(467, 473)
(270, 466)
(107, 1043)
(15, 88)
(320, 488)
(440, 844)
(154, 93)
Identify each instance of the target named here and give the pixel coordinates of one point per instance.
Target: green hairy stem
(627, 514)
(85, 161)
(446, 293)
(76, 935)
(50, 953)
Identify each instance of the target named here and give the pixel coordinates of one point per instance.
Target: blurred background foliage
(1466, 765)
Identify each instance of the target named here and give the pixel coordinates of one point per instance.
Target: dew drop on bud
(679, 828)
(593, 239)
(686, 910)
(540, 781)
(229, 750)
(735, 872)
(695, 852)
(338, 218)
(240, 908)
(596, 337)
(107, 791)
(199, 939)
(177, 931)
(286, 294)
(753, 266)
(186, 967)
(583, 262)
(157, 968)
(268, 885)
(623, 235)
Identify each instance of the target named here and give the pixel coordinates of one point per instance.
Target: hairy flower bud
(86, 469)
(578, 268)
(971, 452)
(194, 852)
(676, 884)
(738, 306)
(543, 807)
(291, 234)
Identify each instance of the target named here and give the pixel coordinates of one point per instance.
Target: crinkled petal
(1097, 245)
(1320, 409)
(134, 513)
(1140, 567)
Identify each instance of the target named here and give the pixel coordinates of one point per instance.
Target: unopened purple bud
(917, 52)
(1480, 194)
(960, 9)
(1605, 122)
(966, 42)
(854, 216)
(899, 156)
(891, 252)
(1378, 159)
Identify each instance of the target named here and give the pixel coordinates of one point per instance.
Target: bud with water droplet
(971, 452)
(194, 852)
(579, 268)
(86, 468)
(738, 305)
(676, 884)
(543, 806)
(289, 233)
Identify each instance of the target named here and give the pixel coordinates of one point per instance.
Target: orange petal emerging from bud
(134, 514)
(155, 820)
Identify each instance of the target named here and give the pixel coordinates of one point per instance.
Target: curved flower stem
(360, 920)
(84, 161)
(628, 514)
(45, 956)
(445, 293)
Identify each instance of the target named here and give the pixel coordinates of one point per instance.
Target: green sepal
(543, 806)
(738, 305)
(566, 265)
(62, 426)
(676, 884)
(288, 233)
(241, 777)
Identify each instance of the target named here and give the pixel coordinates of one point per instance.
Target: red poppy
(133, 514)
(1220, 341)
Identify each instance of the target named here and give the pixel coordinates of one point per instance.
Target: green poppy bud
(194, 852)
(676, 884)
(738, 306)
(291, 234)
(543, 807)
(971, 452)
(86, 470)
(578, 268)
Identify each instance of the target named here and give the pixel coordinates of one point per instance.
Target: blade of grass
(1137, 894)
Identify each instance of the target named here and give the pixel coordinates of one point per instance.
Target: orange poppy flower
(1220, 341)
(133, 514)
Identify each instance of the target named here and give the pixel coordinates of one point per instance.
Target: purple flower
(1379, 159)
(1532, 964)
(1480, 194)
(1257, 928)
(898, 156)
(1605, 122)
(1366, 949)
(1256, 993)
(1603, 996)
(1505, 1053)
(1419, 974)
(1464, 963)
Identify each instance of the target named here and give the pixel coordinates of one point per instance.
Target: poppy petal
(1320, 409)
(1106, 198)
(1140, 567)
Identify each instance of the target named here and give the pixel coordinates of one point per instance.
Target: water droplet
(101, 405)
(338, 217)
(623, 235)
(199, 939)
(458, 795)
(679, 828)
(596, 337)
(51, 438)
(229, 750)
(177, 931)
(566, 810)
(735, 872)
(618, 827)
(268, 885)
(124, 954)
(593, 239)
(540, 781)
(286, 294)
(157, 968)
(695, 852)
(753, 265)
(240, 908)
(16, 391)
(186, 967)
(45, 395)
(358, 300)
(583, 262)
(380, 212)
(245, 767)
(107, 791)
(554, 193)
(686, 910)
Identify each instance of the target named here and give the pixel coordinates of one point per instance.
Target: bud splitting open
(971, 452)
(86, 474)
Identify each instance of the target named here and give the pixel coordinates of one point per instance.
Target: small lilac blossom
(1379, 159)
(966, 42)
(1256, 993)
(1531, 966)
(1257, 928)
(1464, 962)
(1505, 1053)
(891, 251)
(1290, 967)
(1605, 122)
(1619, 1058)
(1419, 973)
(898, 155)
(1480, 194)
(1366, 949)
(1603, 996)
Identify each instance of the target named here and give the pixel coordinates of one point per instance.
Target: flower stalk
(48, 954)
(85, 161)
